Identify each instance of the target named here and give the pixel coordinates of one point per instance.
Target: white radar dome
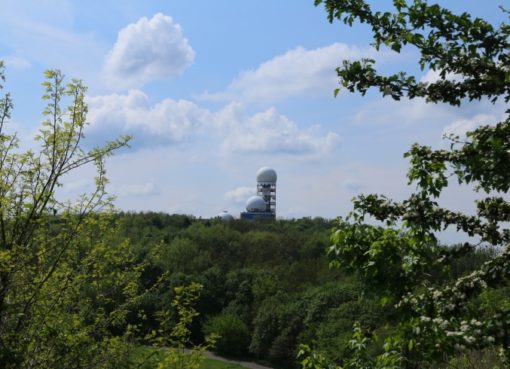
(255, 203)
(266, 174)
(225, 215)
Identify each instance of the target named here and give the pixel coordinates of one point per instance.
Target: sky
(213, 90)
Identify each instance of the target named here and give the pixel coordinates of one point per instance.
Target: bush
(335, 331)
(234, 334)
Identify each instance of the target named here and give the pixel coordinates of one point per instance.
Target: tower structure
(262, 206)
(266, 188)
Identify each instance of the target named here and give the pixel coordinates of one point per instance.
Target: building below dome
(263, 206)
(248, 215)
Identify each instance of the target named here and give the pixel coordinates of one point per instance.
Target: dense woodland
(267, 286)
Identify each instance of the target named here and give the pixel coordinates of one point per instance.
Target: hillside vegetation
(267, 286)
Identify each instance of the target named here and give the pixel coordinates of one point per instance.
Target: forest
(267, 286)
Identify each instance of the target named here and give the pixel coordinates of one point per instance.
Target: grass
(216, 364)
(143, 351)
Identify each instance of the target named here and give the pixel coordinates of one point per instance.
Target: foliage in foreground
(48, 263)
(71, 289)
(437, 316)
(173, 338)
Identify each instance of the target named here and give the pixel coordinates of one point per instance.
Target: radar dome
(255, 204)
(225, 215)
(266, 174)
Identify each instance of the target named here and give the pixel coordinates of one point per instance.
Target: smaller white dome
(255, 204)
(266, 174)
(225, 215)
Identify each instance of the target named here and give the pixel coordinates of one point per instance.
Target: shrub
(234, 334)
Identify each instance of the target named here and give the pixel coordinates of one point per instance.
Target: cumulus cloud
(271, 132)
(461, 126)
(240, 194)
(146, 50)
(168, 121)
(297, 72)
(231, 129)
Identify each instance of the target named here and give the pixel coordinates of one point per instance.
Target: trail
(246, 364)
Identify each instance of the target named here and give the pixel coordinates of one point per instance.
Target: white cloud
(461, 126)
(404, 112)
(146, 50)
(297, 72)
(433, 76)
(271, 132)
(168, 121)
(326, 192)
(139, 189)
(240, 194)
(231, 128)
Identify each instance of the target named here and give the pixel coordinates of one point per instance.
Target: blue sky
(213, 90)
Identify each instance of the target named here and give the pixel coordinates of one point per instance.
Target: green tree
(436, 317)
(234, 335)
(65, 286)
(175, 334)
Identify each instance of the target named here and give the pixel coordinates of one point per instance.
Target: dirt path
(246, 364)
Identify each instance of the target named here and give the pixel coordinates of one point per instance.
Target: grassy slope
(216, 364)
(142, 351)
